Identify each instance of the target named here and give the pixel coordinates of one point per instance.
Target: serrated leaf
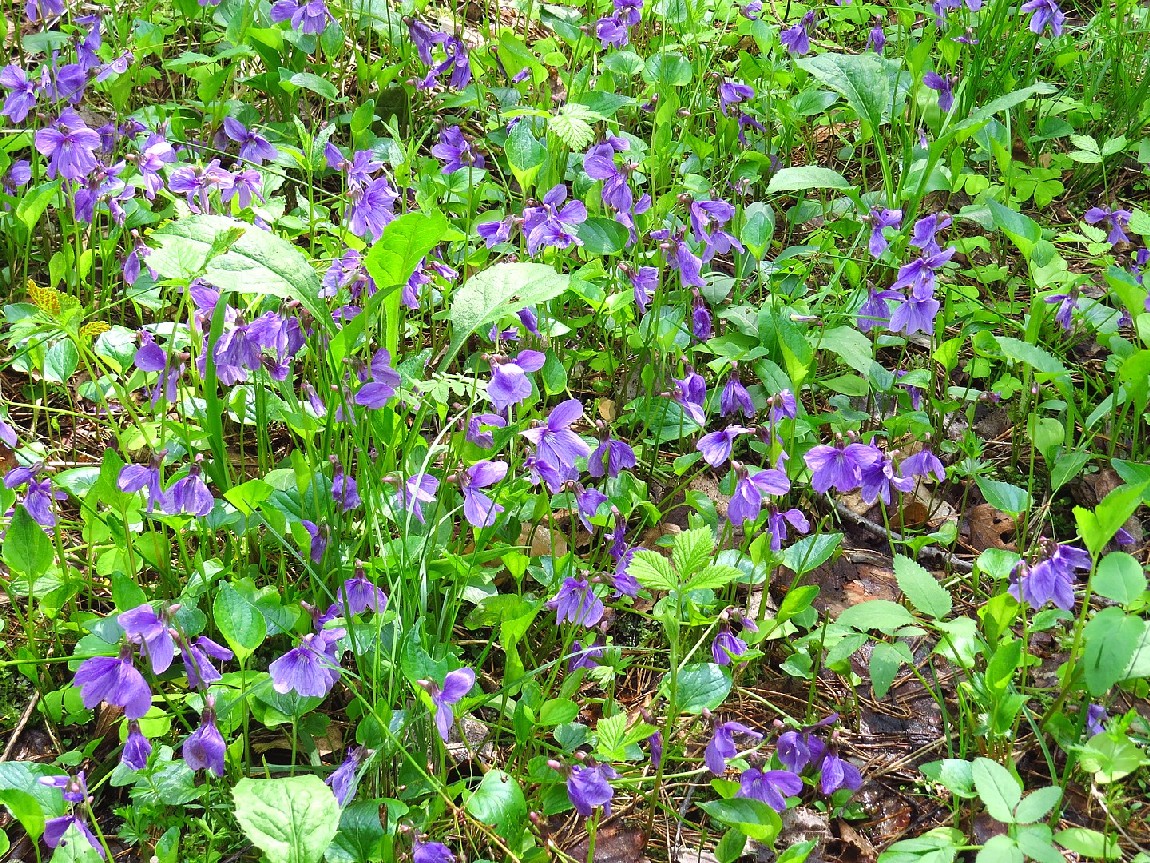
(1035, 805)
(997, 788)
(922, 588)
(653, 571)
(692, 550)
(714, 576)
(570, 128)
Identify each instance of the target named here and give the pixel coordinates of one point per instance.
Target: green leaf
(499, 291)
(999, 849)
(360, 837)
(852, 347)
(1037, 804)
(692, 550)
(939, 845)
(702, 685)
(1089, 843)
(758, 228)
(1066, 467)
(256, 262)
(240, 622)
(730, 847)
(811, 552)
(753, 817)
(806, 177)
(556, 711)
(571, 128)
(1021, 230)
(653, 571)
(1119, 577)
(872, 85)
(60, 361)
(922, 588)
(997, 788)
(1036, 841)
(714, 576)
(404, 243)
(554, 375)
(499, 803)
(602, 236)
(1111, 637)
(35, 201)
(24, 808)
(291, 820)
(1004, 496)
(74, 847)
(1039, 359)
(667, 70)
(1097, 528)
(1111, 756)
(885, 661)
(881, 614)
(26, 548)
(310, 81)
(955, 774)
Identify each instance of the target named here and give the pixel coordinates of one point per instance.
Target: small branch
(948, 558)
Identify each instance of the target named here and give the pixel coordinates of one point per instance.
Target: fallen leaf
(989, 528)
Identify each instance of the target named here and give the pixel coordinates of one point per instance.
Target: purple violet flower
(576, 603)
(923, 463)
(722, 746)
(430, 852)
(311, 668)
(589, 787)
(149, 630)
(1044, 13)
(944, 86)
(342, 779)
(839, 468)
(70, 146)
(879, 218)
(1095, 716)
(732, 93)
(416, 491)
(198, 656)
(146, 478)
(21, 96)
(777, 523)
(377, 392)
(479, 509)
(137, 748)
(1050, 580)
(1116, 219)
(553, 222)
(114, 680)
(555, 443)
(836, 773)
(771, 787)
(876, 40)
(751, 489)
(55, 828)
(190, 494)
(878, 478)
(509, 383)
(254, 147)
(455, 686)
(344, 490)
(727, 646)
(796, 39)
(716, 446)
(691, 394)
(309, 17)
(370, 207)
(456, 151)
(735, 397)
(610, 458)
(205, 748)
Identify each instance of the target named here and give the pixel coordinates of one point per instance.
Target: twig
(24, 717)
(1101, 798)
(878, 530)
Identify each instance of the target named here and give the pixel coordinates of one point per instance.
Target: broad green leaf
(360, 837)
(74, 847)
(1036, 841)
(653, 571)
(602, 236)
(997, 788)
(26, 548)
(811, 552)
(852, 347)
(714, 576)
(1097, 528)
(1004, 496)
(1111, 639)
(758, 228)
(730, 847)
(885, 661)
(871, 84)
(1066, 467)
(499, 803)
(556, 711)
(256, 262)
(921, 588)
(881, 614)
(35, 201)
(667, 70)
(291, 820)
(806, 177)
(753, 817)
(1089, 843)
(499, 291)
(702, 685)
(24, 808)
(1111, 756)
(999, 849)
(692, 550)
(60, 361)
(955, 774)
(1119, 577)
(309, 81)
(240, 622)
(1021, 230)
(404, 243)
(1037, 358)
(1035, 805)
